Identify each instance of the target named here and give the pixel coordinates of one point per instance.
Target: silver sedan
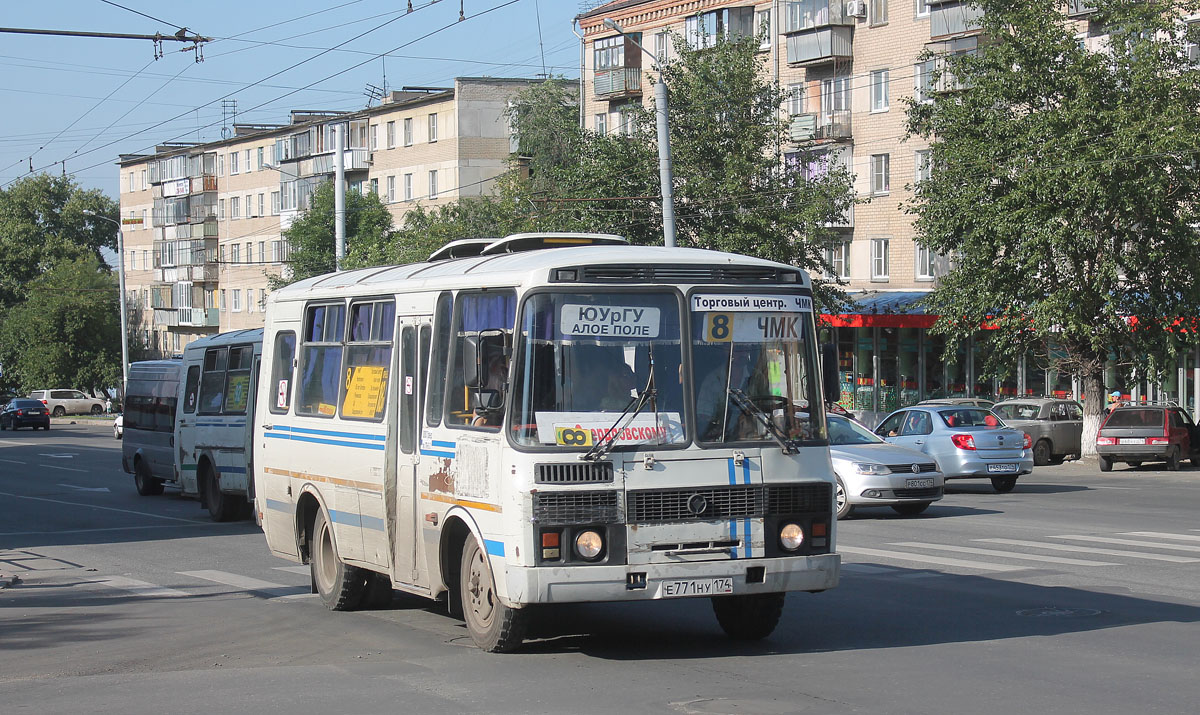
(967, 442)
(871, 472)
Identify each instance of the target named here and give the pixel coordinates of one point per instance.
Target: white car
(872, 472)
(119, 427)
(68, 402)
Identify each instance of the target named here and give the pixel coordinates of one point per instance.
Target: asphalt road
(1079, 592)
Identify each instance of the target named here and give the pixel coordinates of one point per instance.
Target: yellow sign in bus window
(366, 392)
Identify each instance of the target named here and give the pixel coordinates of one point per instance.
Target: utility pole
(121, 281)
(339, 194)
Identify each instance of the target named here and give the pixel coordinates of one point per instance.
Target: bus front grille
(578, 473)
(709, 504)
(576, 507)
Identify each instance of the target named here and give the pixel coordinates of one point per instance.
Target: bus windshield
(584, 359)
(753, 366)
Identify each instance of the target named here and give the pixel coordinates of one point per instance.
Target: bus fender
(450, 555)
(306, 514)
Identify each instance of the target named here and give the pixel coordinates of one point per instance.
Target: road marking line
(13, 461)
(1129, 542)
(867, 568)
(141, 588)
(1090, 550)
(303, 570)
(1004, 554)
(921, 559)
(104, 508)
(1125, 489)
(1164, 535)
(107, 528)
(245, 582)
(65, 469)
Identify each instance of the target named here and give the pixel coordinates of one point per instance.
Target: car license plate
(1002, 468)
(918, 483)
(697, 587)
(1132, 440)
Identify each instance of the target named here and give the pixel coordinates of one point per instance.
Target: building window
(408, 187)
(835, 96)
(795, 99)
(923, 81)
(133, 260)
(262, 203)
(233, 162)
(879, 259)
(223, 303)
(391, 189)
(879, 91)
(274, 203)
(880, 174)
(608, 53)
(391, 135)
(408, 132)
(375, 187)
(662, 44)
(237, 300)
(235, 253)
(762, 26)
(602, 123)
(922, 165)
(221, 209)
(838, 257)
(433, 184)
(879, 12)
(374, 137)
(143, 180)
(922, 8)
(220, 165)
(262, 251)
(925, 263)
(235, 207)
(249, 252)
(433, 129)
(249, 300)
(222, 252)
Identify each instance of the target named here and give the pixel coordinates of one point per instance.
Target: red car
(1148, 433)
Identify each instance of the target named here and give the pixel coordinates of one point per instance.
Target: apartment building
(203, 223)
(846, 66)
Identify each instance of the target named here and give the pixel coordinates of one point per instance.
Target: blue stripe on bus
(435, 453)
(732, 473)
(733, 552)
(220, 424)
(439, 443)
(231, 470)
(331, 433)
(749, 539)
(277, 505)
(359, 520)
(334, 442)
(494, 548)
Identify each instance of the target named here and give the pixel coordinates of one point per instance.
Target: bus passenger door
(407, 418)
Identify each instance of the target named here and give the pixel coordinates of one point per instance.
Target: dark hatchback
(1148, 433)
(23, 412)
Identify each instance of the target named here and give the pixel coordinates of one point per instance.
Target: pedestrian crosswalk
(999, 555)
(202, 582)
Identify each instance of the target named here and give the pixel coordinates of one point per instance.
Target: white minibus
(550, 418)
(147, 446)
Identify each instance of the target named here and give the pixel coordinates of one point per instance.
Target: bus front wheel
(750, 617)
(340, 586)
(495, 627)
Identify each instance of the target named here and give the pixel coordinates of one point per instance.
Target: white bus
(550, 418)
(214, 427)
(148, 424)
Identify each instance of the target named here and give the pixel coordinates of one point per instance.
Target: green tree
(310, 237)
(67, 334)
(42, 224)
(1065, 189)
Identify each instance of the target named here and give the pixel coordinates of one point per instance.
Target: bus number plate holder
(680, 588)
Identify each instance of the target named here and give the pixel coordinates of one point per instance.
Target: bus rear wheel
(221, 506)
(750, 617)
(495, 627)
(340, 586)
(146, 484)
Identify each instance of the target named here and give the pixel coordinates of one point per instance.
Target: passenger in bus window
(618, 388)
(495, 377)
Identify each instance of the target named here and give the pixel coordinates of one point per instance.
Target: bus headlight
(791, 536)
(589, 545)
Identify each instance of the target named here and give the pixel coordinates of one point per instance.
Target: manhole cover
(1058, 612)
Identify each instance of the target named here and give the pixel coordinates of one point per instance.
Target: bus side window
(368, 360)
(485, 319)
(408, 390)
(191, 389)
(212, 382)
(281, 372)
(237, 381)
(436, 386)
(321, 360)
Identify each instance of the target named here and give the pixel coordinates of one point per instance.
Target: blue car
(966, 442)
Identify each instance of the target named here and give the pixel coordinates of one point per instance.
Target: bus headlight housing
(589, 545)
(791, 536)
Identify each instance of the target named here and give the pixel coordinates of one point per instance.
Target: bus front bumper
(575, 584)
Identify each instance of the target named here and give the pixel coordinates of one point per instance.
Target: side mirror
(831, 381)
(488, 401)
(471, 361)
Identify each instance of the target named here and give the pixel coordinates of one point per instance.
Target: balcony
(618, 82)
(846, 221)
(166, 317)
(199, 317)
(953, 18)
(202, 273)
(811, 14)
(819, 46)
(821, 126)
(354, 159)
(1080, 8)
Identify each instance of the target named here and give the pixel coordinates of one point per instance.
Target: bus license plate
(697, 587)
(1002, 468)
(918, 483)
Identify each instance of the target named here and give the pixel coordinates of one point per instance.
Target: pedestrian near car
(108, 405)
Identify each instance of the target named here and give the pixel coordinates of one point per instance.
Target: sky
(82, 102)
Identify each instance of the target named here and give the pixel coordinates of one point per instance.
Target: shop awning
(883, 309)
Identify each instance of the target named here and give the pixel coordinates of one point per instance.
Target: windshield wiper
(636, 404)
(745, 404)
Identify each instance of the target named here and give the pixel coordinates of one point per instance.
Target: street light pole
(121, 281)
(665, 178)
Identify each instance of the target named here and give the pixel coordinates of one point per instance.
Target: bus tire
(340, 586)
(221, 506)
(377, 591)
(147, 485)
(750, 617)
(494, 627)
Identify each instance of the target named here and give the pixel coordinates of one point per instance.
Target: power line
(138, 12)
